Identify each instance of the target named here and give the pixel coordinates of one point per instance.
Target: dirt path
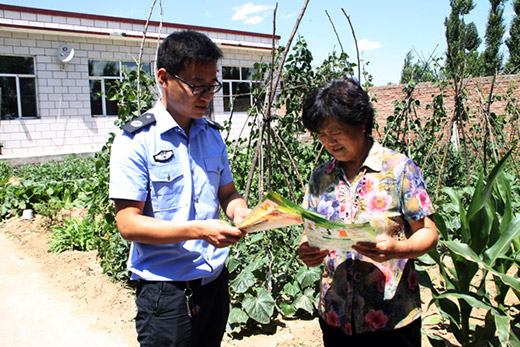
(49, 299)
(37, 313)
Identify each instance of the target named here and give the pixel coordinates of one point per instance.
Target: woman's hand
(311, 256)
(385, 248)
(423, 239)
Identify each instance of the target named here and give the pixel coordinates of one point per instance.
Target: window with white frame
(238, 83)
(102, 75)
(17, 87)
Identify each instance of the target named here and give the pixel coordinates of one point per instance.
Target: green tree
(491, 58)
(418, 71)
(473, 42)
(513, 41)
(462, 39)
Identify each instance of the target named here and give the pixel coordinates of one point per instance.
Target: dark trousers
(407, 336)
(162, 315)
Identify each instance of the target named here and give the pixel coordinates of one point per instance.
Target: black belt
(179, 284)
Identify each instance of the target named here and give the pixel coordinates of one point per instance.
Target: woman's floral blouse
(357, 293)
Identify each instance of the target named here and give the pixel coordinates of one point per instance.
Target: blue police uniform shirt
(178, 179)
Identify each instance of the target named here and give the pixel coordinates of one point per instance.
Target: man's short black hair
(343, 100)
(185, 47)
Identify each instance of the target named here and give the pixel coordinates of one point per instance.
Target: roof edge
(129, 20)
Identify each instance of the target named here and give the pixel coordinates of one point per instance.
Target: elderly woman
(370, 294)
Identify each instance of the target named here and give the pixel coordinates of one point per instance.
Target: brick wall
(477, 90)
(63, 94)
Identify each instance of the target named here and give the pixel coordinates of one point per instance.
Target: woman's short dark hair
(343, 100)
(185, 47)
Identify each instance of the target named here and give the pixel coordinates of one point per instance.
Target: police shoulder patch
(138, 123)
(214, 124)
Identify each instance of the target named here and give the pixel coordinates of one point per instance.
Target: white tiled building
(49, 106)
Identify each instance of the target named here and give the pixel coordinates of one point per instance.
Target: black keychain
(190, 306)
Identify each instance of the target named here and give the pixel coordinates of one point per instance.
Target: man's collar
(166, 122)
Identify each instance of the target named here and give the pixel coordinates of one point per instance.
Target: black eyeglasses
(198, 90)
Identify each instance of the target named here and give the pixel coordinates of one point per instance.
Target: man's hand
(240, 214)
(219, 233)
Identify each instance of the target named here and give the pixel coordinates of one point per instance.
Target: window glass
(96, 106)
(28, 94)
(227, 99)
(132, 66)
(9, 100)
(237, 83)
(16, 65)
(242, 93)
(230, 73)
(17, 87)
(103, 75)
(247, 73)
(103, 68)
(111, 105)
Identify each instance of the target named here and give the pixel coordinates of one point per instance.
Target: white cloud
(366, 45)
(288, 16)
(244, 12)
(254, 20)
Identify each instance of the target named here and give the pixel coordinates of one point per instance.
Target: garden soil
(64, 299)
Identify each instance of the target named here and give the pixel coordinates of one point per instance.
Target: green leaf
(237, 315)
(466, 252)
(307, 276)
(513, 338)
(471, 298)
(233, 263)
(503, 325)
(305, 301)
(426, 259)
(288, 309)
(441, 226)
(424, 279)
(449, 309)
(243, 282)
(255, 264)
(436, 341)
(480, 225)
(255, 237)
(482, 195)
(291, 289)
(259, 307)
(503, 244)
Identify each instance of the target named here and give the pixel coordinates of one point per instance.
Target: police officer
(169, 173)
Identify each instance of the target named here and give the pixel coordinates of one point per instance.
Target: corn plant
(483, 246)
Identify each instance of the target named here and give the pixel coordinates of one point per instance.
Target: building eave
(177, 26)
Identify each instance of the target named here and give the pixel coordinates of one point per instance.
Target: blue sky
(385, 30)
